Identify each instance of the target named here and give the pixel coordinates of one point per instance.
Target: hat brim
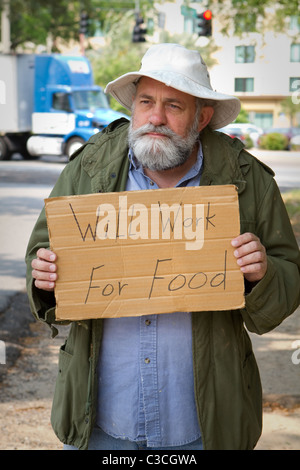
(226, 107)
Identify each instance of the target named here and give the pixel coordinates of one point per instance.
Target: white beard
(162, 153)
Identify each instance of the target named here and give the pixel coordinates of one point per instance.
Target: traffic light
(84, 23)
(138, 34)
(204, 23)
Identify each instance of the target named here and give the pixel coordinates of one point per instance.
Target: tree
(291, 108)
(242, 117)
(239, 16)
(120, 55)
(107, 12)
(36, 20)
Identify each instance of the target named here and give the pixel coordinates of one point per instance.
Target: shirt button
(147, 360)
(148, 322)
(151, 183)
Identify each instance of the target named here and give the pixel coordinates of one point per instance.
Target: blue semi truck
(49, 105)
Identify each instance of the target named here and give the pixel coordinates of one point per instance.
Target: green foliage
(242, 117)
(240, 16)
(274, 141)
(292, 203)
(120, 55)
(248, 142)
(35, 20)
(291, 108)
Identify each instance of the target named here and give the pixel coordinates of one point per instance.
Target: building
(261, 69)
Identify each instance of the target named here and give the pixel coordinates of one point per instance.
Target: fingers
(44, 270)
(251, 256)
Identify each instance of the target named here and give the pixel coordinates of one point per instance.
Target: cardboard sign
(142, 252)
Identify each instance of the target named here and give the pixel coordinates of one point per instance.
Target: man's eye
(174, 106)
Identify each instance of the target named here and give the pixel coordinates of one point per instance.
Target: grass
(292, 203)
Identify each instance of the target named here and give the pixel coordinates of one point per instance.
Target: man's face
(164, 126)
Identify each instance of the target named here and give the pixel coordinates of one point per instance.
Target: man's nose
(158, 116)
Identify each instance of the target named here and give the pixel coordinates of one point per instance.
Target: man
(180, 380)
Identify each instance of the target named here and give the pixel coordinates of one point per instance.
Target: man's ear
(205, 117)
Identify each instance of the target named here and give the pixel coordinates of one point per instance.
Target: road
(23, 187)
(286, 166)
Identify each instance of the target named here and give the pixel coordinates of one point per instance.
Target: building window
(244, 84)
(263, 120)
(244, 54)
(161, 19)
(295, 52)
(294, 83)
(189, 25)
(295, 23)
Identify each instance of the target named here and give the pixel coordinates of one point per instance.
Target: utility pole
(137, 6)
(83, 30)
(5, 28)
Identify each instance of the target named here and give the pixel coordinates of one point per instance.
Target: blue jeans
(99, 440)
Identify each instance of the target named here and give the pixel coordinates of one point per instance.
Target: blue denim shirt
(146, 385)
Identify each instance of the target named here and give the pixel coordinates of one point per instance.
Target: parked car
(291, 133)
(242, 130)
(295, 141)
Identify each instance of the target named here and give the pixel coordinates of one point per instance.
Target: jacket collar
(104, 161)
(221, 165)
(221, 160)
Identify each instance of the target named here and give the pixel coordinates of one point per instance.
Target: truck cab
(68, 107)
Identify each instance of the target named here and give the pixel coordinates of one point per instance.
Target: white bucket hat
(182, 69)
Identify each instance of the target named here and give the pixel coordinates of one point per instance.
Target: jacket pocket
(69, 402)
(64, 360)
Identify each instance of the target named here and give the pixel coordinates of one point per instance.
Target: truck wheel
(27, 156)
(73, 144)
(5, 153)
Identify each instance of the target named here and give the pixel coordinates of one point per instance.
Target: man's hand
(251, 256)
(44, 270)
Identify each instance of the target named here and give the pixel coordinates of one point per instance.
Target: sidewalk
(281, 385)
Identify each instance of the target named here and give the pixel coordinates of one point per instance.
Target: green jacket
(227, 383)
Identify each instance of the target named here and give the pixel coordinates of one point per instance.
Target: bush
(248, 142)
(274, 141)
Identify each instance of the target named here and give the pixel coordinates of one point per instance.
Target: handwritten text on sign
(142, 252)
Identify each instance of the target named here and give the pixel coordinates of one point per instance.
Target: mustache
(147, 128)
